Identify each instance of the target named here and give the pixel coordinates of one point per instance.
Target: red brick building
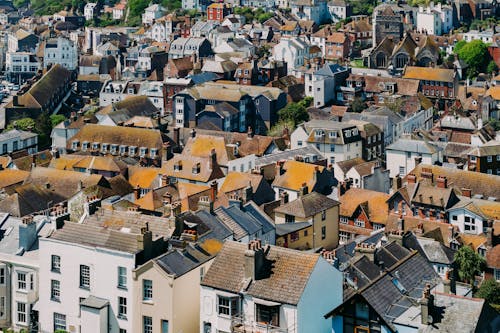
(217, 12)
(337, 46)
(437, 83)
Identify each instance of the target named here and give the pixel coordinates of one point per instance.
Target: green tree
(490, 291)
(476, 56)
(358, 105)
(492, 67)
(469, 264)
(295, 113)
(458, 46)
(23, 124)
(43, 127)
(55, 119)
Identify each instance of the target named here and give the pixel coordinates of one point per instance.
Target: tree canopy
(476, 56)
(469, 264)
(490, 291)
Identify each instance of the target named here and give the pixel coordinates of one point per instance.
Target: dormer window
(178, 166)
(105, 147)
(355, 131)
(332, 135)
(132, 150)
(347, 134)
(123, 149)
(75, 145)
(318, 133)
(114, 149)
(143, 151)
(95, 146)
(130, 90)
(153, 152)
(196, 168)
(85, 145)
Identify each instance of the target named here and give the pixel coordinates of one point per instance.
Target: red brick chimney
(442, 182)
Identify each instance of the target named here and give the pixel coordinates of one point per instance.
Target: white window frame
(55, 290)
(55, 264)
(22, 281)
(122, 307)
(85, 276)
(122, 277)
(147, 290)
(21, 313)
(147, 324)
(59, 321)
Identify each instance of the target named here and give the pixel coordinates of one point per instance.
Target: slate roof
(416, 146)
(433, 250)
(178, 262)
(307, 205)
(286, 228)
(285, 284)
(92, 236)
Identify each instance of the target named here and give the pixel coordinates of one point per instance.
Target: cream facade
(175, 302)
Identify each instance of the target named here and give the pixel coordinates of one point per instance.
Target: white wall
(460, 213)
(396, 159)
(103, 265)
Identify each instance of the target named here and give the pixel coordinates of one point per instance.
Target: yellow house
(167, 289)
(309, 222)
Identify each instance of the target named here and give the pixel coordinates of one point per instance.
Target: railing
(240, 325)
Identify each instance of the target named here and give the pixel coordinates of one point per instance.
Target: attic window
(123, 149)
(318, 133)
(355, 131)
(196, 168)
(105, 147)
(143, 151)
(114, 148)
(75, 144)
(332, 134)
(347, 134)
(153, 152)
(132, 150)
(95, 146)
(178, 166)
(85, 145)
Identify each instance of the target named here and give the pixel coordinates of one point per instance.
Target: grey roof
(415, 146)
(17, 134)
(88, 235)
(202, 77)
(456, 314)
(399, 288)
(245, 221)
(433, 250)
(178, 262)
(94, 302)
(286, 228)
(213, 227)
(330, 69)
(288, 155)
(307, 205)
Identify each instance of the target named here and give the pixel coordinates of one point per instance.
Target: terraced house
(252, 106)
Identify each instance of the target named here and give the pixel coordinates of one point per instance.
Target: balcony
(351, 89)
(240, 325)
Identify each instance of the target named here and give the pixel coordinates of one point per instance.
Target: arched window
(381, 60)
(401, 60)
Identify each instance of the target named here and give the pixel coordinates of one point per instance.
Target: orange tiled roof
(237, 180)
(473, 241)
(297, 173)
(201, 146)
(494, 92)
(377, 204)
(428, 73)
(12, 176)
(143, 177)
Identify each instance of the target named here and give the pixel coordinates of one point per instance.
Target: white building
(86, 276)
(339, 10)
(20, 66)
(60, 51)
(403, 155)
(152, 13)
(293, 50)
(115, 91)
(435, 20)
(467, 215)
(264, 306)
(313, 10)
(336, 141)
(323, 83)
(89, 11)
(15, 140)
(485, 36)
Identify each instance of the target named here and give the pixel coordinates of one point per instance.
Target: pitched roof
(374, 203)
(143, 177)
(296, 174)
(479, 183)
(493, 257)
(307, 205)
(290, 273)
(188, 164)
(430, 74)
(239, 180)
(346, 165)
(12, 176)
(88, 235)
(178, 262)
(42, 91)
(28, 199)
(202, 145)
(129, 136)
